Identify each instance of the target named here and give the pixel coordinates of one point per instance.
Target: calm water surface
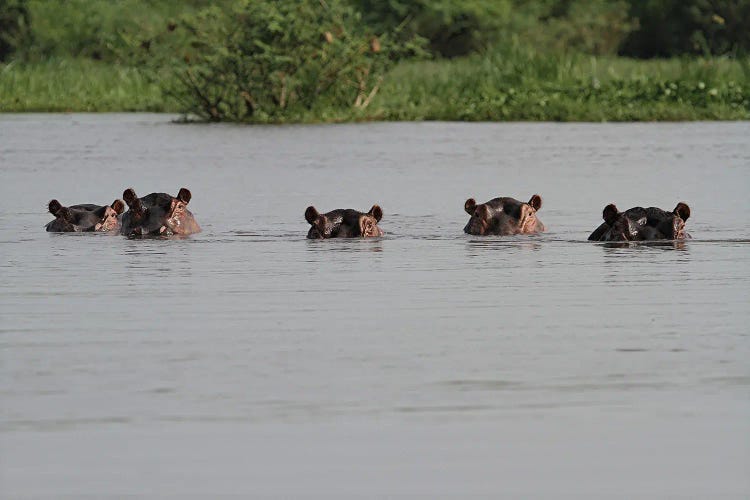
(249, 360)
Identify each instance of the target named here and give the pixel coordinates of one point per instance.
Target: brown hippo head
(642, 224)
(503, 216)
(85, 217)
(344, 223)
(158, 214)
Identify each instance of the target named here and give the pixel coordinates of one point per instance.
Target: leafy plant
(14, 26)
(449, 27)
(673, 27)
(261, 60)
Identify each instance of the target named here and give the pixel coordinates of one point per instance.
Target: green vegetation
(78, 85)
(520, 86)
(264, 61)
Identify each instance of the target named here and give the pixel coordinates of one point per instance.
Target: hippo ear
(610, 213)
(129, 196)
(54, 206)
(311, 215)
(184, 195)
(118, 206)
(470, 205)
(682, 210)
(376, 212)
(536, 202)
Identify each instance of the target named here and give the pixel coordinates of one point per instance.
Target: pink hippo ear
(610, 213)
(118, 206)
(682, 210)
(536, 202)
(376, 212)
(311, 215)
(184, 195)
(54, 206)
(470, 205)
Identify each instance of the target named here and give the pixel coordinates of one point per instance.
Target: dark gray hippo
(158, 214)
(344, 223)
(503, 216)
(85, 217)
(642, 224)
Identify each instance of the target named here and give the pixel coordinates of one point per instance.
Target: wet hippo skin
(344, 223)
(85, 217)
(503, 216)
(642, 224)
(158, 214)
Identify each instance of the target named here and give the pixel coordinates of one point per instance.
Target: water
(249, 360)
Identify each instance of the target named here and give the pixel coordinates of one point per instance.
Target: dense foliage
(330, 60)
(15, 29)
(102, 29)
(673, 27)
(257, 60)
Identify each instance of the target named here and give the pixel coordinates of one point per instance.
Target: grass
(499, 86)
(67, 85)
(567, 88)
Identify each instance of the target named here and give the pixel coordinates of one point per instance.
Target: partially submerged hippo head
(85, 217)
(158, 214)
(344, 223)
(642, 224)
(503, 216)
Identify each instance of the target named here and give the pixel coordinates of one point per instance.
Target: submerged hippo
(642, 224)
(85, 217)
(158, 214)
(503, 216)
(344, 223)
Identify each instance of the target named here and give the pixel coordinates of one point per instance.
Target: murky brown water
(249, 360)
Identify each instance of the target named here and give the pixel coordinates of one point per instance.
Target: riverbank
(477, 88)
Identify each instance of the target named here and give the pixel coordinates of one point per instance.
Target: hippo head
(158, 214)
(674, 229)
(345, 223)
(642, 224)
(85, 218)
(621, 226)
(503, 216)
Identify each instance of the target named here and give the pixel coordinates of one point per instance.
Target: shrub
(14, 26)
(674, 27)
(450, 27)
(262, 60)
(595, 27)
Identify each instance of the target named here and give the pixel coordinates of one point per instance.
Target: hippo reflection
(503, 216)
(642, 224)
(158, 214)
(84, 217)
(344, 223)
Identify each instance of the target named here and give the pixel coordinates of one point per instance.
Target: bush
(100, 29)
(674, 27)
(595, 27)
(450, 27)
(14, 26)
(262, 60)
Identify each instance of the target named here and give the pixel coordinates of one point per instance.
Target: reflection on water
(659, 245)
(249, 322)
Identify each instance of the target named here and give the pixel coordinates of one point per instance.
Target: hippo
(85, 217)
(158, 214)
(344, 223)
(642, 224)
(503, 216)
